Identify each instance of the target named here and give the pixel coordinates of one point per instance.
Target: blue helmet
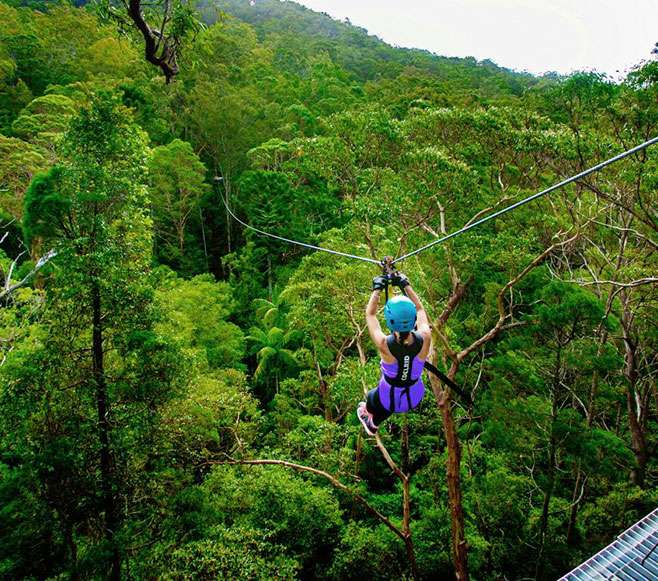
(400, 314)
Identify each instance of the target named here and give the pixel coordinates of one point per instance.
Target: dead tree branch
(158, 50)
(10, 288)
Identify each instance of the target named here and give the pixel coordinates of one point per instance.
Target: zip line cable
(529, 199)
(428, 366)
(387, 263)
(518, 204)
(304, 244)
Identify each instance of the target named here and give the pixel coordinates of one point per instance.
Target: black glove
(400, 280)
(379, 283)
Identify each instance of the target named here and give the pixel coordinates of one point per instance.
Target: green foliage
(567, 307)
(14, 93)
(19, 163)
(367, 552)
(177, 186)
(46, 206)
(60, 46)
(251, 348)
(217, 416)
(235, 553)
(285, 508)
(194, 315)
(92, 208)
(622, 507)
(275, 359)
(44, 119)
(272, 204)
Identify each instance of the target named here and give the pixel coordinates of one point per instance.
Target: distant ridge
(366, 56)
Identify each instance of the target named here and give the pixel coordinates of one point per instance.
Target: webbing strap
(449, 382)
(405, 391)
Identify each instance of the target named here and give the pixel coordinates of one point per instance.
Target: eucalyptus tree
(177, 188)
(95, 381)
(43, 121)
(20, 161)
(621, 221)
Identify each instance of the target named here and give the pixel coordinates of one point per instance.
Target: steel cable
(518, 204)
(304, 244)
(529, 199)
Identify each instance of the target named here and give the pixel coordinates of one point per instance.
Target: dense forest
(178, 393)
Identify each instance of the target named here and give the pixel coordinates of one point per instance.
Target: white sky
(534, 35)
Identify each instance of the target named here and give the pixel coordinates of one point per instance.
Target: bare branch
(502, 314)
(153, 41)
(632, 284)
(617, 203)
(9, 288)
(11, 270)
(484, 211)
(631, 230)
(331, 479)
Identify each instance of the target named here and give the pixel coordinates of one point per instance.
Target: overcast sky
(532, 35)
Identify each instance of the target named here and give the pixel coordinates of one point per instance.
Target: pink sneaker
(365, 417)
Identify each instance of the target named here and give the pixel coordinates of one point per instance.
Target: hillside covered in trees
(178, 393)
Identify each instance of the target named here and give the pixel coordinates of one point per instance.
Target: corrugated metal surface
(633, 556)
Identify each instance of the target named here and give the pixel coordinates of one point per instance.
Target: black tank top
(404, 354)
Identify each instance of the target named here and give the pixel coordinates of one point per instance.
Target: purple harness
(401, 386)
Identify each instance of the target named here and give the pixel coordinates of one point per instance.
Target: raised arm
(374, 328)
(422, 321)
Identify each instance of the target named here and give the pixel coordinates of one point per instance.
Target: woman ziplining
(403, 353)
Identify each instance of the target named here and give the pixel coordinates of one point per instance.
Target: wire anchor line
(529, 199)
(288, 240)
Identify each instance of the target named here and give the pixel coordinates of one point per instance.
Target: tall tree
(177, 186)
(104, 371)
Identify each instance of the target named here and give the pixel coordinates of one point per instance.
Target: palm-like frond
(287, 357)
(265, 356)
(257, 336)
(270, 316)
(275, 337)
(261, 306)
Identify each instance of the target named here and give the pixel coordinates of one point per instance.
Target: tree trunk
(73, 552)
(548, 494)
(404, 446)
(203, 237)
(180, 234)
(104, 428)
(324, 390)
(573, 513)
(406, 525)
(269, 276)
(406, 498)
(459, 547)
(552, 450)
(618, 420)
(594, 388)
(638, 440)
